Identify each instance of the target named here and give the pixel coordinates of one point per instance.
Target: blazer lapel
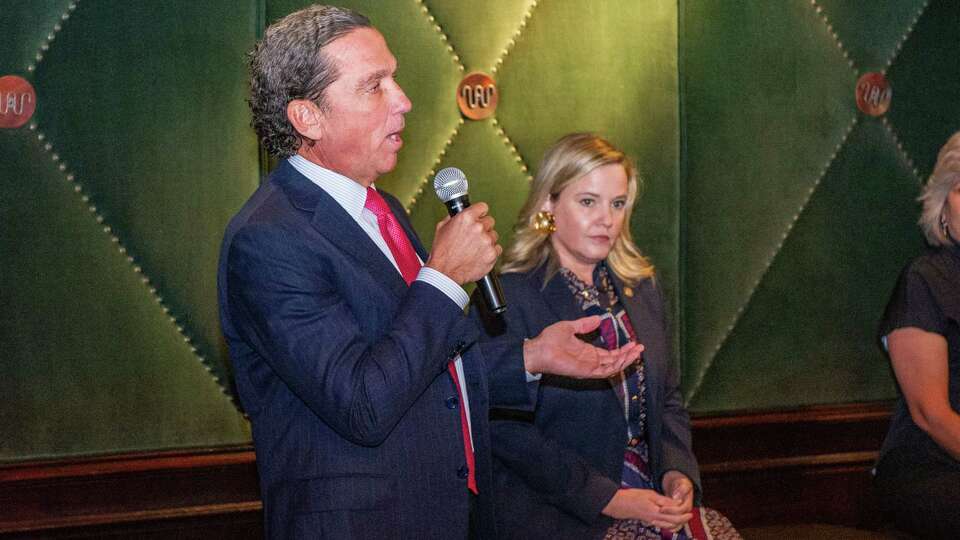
(640, 316)
(558, 297)
(564, 307)
(333, 222)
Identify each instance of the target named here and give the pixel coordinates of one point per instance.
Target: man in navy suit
(354, 360)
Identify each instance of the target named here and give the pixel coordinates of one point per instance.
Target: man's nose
(403, 104)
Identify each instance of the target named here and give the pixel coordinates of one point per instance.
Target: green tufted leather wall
(777, 215)
(113, 201)
(799, 210)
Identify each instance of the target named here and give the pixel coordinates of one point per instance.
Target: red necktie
(409, 264)
(393, 235)
(465, 431)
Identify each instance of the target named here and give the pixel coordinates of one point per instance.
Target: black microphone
(451, 186)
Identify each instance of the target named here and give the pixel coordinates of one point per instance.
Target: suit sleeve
(677, 451)
(502, 347)
(559, 475)
(555, 472)
(296, 320)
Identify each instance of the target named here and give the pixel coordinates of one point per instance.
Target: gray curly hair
(288, 64)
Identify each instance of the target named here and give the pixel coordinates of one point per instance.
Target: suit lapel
(558, 297)
(564, 307)
(333, 222)
(640, 315)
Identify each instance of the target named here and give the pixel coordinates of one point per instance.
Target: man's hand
(648, 506)
(465, 246)
(557, 350)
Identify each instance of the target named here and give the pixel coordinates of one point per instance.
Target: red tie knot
(376, 203)
(394, 236)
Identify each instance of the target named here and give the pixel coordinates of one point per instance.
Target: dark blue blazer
(558, 461)
(342, 369)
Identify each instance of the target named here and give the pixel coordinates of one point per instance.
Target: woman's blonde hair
(945, 177)
(568, 160)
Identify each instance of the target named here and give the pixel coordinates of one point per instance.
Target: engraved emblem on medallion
(873, 94)
(477, 96)
(17, 101)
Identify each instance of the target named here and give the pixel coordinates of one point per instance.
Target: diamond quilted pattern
(755, 76)
(803, 333)
(89, 359)
(924, 77)
(870, 32)
(492, 174)
(777, 355)
(167, 202)
(778, 220)
(112, 281)
(480, 32)
(26, 25)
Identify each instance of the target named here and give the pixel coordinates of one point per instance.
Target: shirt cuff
(530, 376)
(446, 285)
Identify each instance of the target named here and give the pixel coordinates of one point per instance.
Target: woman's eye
(619, 204)
(586, 202)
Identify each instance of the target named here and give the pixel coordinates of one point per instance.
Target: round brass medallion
(873, 94)
(477, 96)
(17, 101)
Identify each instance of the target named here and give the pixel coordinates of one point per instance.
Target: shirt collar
(348, 193)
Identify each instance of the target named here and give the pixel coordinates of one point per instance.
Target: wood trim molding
(151, 487)
(810, 431)
(809, 465)
(126, 463)
(759, 468)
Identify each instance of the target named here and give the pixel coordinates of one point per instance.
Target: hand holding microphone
(465, 244)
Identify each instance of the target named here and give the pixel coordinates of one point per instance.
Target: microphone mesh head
(450, 183)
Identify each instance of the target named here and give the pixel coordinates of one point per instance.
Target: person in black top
(918, 473)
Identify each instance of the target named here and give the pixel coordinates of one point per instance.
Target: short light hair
(568, 160)
(945, 177)
(288, 64)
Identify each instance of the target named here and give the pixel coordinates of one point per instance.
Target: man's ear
(306, 117)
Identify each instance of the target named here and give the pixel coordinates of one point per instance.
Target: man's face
(363, 117)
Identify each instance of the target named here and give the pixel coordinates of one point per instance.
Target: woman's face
(951, 211)
(589, 216)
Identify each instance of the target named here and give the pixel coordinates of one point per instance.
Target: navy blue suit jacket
(558, 460)
(342, 369)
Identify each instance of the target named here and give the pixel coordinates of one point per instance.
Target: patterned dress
(616, 330)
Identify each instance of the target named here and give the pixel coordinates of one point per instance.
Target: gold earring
(544, 223)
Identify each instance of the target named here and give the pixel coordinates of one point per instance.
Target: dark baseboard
(208, 494)
(808, 465)
(801, 466)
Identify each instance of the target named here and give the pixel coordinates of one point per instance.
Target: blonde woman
(918, 474)
(602, 458)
